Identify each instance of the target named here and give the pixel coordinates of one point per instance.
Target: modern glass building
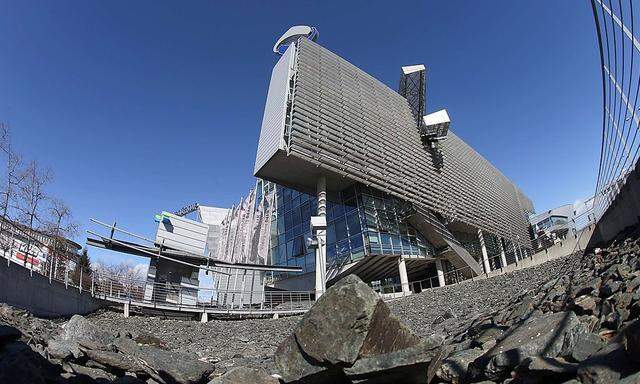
(406, 198)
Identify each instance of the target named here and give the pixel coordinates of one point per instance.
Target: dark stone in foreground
(350, 331)
(172, 367)
(244, 375)
(410, 365)
(540, 336)
(8, 334)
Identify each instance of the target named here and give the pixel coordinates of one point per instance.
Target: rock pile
(580, 324)
(572, 320)
(37, 351)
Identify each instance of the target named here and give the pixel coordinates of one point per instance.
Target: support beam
(485, 255)
(204, 317)
(404, 279)
(321, 236)
(440, 271)
(503, 256)
(126, 309)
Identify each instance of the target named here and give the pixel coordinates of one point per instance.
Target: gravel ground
(252, 342)
(444, 310)
(227, 343)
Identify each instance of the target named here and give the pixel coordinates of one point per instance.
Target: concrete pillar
(204, 317)
(503, 256)
(404, 279)
(440, 271)
(126, 309)
(485, 255)
(321, 236)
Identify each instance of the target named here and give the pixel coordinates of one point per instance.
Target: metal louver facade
(344, 124)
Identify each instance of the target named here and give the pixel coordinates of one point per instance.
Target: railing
(196, 299)
(451, 277)
(169, 296)
(619, 50)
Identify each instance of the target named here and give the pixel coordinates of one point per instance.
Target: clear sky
(110, 94)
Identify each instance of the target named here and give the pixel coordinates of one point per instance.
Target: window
(298, 247)
(341, 229)
(353, 222)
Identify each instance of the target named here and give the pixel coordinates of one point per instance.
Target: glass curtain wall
(360, 221)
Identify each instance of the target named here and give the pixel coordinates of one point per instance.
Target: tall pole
(321, 236)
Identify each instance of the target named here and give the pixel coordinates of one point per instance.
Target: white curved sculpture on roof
(293, 34)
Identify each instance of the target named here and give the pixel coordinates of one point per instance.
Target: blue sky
(111, 94)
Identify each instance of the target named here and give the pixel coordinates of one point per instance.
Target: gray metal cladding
(348, 122)
(272, 130)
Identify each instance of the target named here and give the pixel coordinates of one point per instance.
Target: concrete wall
(35, 294)
(573, 243)
(623, 212)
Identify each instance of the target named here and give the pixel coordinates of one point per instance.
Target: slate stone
(412, 365)
(588, 287)
(80, 329)
(63, 349)
(92, 373)
(350, 320)
(585, 304)
(245, 375)
(606, 366)
(114, 360)
(541, 336)
(545, 370)
(292, 364)
(630, 338)
(586, 344)
(454, 367)
(172, 367)
(609, 288)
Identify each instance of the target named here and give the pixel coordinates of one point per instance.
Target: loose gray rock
(350, 321)
(79, 329)
(172, 367)
(454, 367)
(541, 336)
(606, 366)
(92, 373)
(586, 344)
(245, 375)
(64, 349)
(412, 365)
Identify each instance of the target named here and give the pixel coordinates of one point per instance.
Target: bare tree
(124, 277)
(60, 226)
(14, 176)
(31, 197)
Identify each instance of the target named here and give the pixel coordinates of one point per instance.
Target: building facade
(405, 197)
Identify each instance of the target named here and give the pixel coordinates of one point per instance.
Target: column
(440, 271)
(321, 236)
(404, 279)
(204, 317)
(485, 255)
(126, 309)
(503, 257)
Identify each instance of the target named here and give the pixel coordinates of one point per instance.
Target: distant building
(556, 224)
(213, 217)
